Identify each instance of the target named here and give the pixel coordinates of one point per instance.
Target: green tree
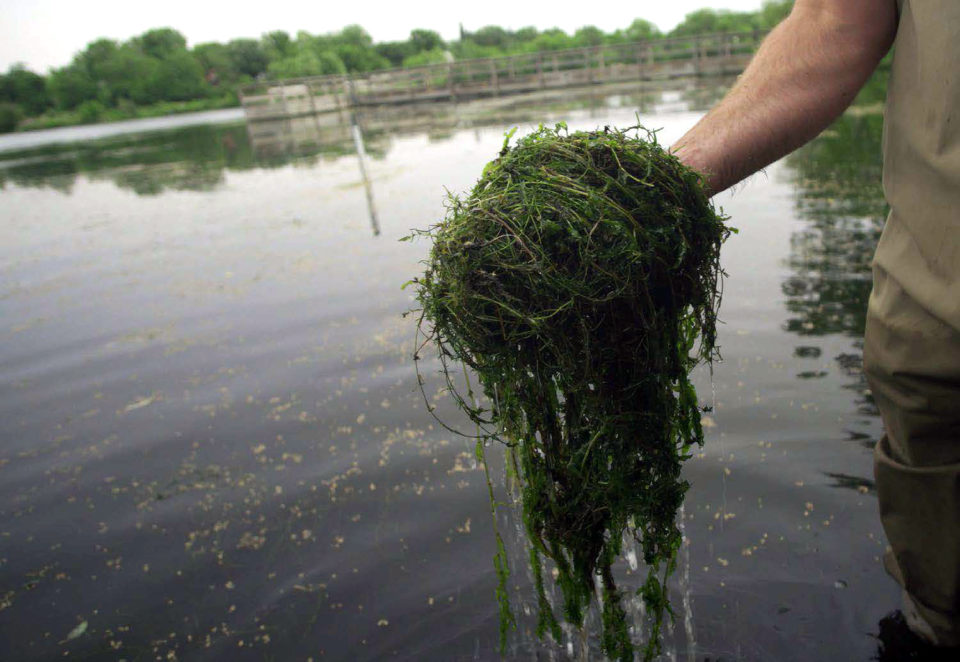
(468, 49)
(215, 58)
(24, 88)
(588, 36)
(10, 116)
(774, 11)
(553, 39)
(525, 35)
(354, 46)
(278, 45)
(247, 57)
(70, 86)
(704, 21)
(131, 75)
(435, 56)
(177, 77)
(97, 57)
(358, 59)
(491, 35)
(90, 111)
(150, 68)
(642, 30)
(354, 35)
(425, 40)
(395, 51)
(157, 66)
(306, 62)
(160, 43)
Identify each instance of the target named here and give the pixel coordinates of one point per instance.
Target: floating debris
(77, 631)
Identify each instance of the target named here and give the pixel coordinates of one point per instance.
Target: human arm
(805, 73)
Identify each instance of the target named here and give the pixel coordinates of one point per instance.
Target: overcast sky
(47, 33)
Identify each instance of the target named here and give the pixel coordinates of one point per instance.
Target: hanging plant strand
(580, 281)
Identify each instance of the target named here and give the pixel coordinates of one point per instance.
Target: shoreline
(23, 140)
(66, 119)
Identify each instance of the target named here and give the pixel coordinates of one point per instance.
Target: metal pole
(361, 159)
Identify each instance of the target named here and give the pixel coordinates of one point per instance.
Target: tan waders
(912, 351)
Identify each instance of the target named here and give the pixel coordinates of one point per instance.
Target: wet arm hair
(805, 73)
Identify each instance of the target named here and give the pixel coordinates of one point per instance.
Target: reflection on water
(195, 158)
(839, 194)
(212, 442)
(862, 485)
(189, 159)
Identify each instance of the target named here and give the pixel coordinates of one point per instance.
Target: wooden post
(698, 55)
(283, 99)
(493, 76)
(451, 84)
(313, 106)
(540, 70)
(351, 88)
(336, 88)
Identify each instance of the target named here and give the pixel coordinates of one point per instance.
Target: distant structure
(702, 55)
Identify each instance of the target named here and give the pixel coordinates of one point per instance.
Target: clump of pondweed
(580, 281)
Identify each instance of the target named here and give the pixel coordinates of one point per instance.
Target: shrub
(10, 116)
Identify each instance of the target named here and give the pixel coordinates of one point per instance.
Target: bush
(435, 56)
(10, 116)
(90, 111)
(126, 107)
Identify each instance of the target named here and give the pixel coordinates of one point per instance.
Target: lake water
(213, 445)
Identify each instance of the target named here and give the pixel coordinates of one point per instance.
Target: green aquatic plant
(579, 281)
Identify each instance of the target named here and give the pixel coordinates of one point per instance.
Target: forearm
(806, 72)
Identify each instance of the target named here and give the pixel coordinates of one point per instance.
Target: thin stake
(367, 186)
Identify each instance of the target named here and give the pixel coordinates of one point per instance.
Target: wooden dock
(703, 55)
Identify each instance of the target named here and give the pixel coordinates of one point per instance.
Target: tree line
(156, 73)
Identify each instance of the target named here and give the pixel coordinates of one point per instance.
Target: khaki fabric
(917, 462)
(920, 246)
(912, 346)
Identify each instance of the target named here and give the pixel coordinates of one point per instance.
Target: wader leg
(912, 362)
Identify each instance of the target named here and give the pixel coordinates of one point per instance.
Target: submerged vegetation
(580, 281)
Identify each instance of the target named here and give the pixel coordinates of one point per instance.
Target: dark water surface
(212, 443)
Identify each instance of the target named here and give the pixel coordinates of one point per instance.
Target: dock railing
(700, 55)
